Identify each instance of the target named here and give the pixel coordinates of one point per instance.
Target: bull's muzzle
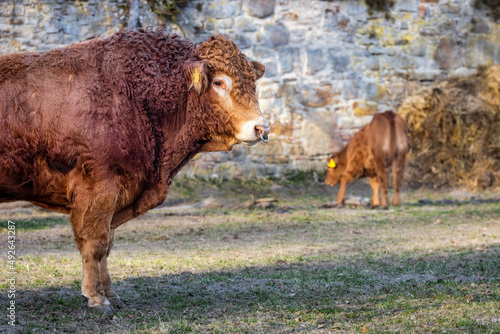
(263, 132)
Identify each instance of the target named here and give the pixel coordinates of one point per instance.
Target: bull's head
(226, 79)
(335, 170)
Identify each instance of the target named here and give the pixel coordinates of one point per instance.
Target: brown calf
(378, 145)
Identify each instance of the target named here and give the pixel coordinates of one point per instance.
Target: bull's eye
(218, 83)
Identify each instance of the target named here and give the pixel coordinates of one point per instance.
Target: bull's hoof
(116, 302)
(385, 207)
(101, 310)
(84, 298)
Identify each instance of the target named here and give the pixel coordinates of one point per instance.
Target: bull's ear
(196, 74)
(259, 69)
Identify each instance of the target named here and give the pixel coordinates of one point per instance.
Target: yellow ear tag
(196, 75)
(332, 164)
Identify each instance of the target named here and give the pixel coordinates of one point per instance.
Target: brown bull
(99, 129)
(378, 145)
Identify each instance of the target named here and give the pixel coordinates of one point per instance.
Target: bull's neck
(185, 135)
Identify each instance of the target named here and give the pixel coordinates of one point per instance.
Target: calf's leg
(91, 213)
(376, 190)
(341, 194)
(382, 177)
(384, 184)
(397, 170)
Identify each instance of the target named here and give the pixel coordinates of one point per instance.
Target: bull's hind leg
(113, 298)
(91, 214)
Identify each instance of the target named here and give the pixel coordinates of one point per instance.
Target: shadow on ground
(345, 295)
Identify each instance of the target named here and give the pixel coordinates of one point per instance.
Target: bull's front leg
(112, 296)
(91, 213)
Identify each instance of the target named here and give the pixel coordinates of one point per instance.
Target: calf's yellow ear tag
(332, 164)
(196, 75)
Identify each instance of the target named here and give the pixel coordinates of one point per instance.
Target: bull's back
(52, 120)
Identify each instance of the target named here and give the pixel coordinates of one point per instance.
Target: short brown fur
(372, 150)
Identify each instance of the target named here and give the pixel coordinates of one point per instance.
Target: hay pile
(454, 131)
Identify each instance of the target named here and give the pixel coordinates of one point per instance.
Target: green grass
(417, 268)
(36, 223)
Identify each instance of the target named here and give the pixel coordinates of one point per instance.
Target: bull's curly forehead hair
(222, 54)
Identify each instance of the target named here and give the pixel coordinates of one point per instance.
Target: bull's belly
(53, 192)
(47, 184)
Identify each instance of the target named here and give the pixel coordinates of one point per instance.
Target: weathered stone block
(335, 21)
(480, 26)
(315, 137)
(483, 50)
(363, 108)
(224, 10)
(339, 61)
(271, 69)
(51, 27)
(6, 9)
(426, 74)
(289, 59)
(267, 105)
(288, 89)
(315, 61)
(399, 61)
(262, 53)
(349, 90)
(374, 91)
(321, 96)
(353, 8)
(276, 35)
(273, 148)
(447, 54)
(296, 150)
(245, 25)
(71, 29)
(279, 129)
(242, 41)
(372, 63)
(406, 5)
(224, 24)
(396, 91)
(259, 8)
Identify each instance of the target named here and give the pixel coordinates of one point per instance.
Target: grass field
(429, 267)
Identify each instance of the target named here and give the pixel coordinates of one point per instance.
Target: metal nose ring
(262, 138)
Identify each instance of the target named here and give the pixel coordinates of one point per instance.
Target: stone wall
(330, 64)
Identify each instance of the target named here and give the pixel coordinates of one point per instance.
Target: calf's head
(226, 80)
(335, 169)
